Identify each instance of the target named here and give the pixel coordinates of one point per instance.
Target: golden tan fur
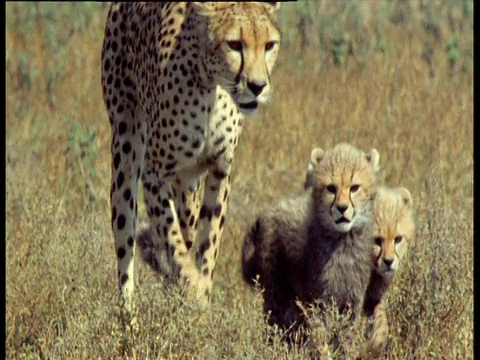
(393, 228)
(316, 246)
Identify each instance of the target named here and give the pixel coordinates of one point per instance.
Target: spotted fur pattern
(178, 79)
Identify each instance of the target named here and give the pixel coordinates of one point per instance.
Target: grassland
(397, 76)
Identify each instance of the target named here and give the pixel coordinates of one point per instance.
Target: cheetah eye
(331, 188)
(235, 45)
(378, 241)
(270, 45)
(398, 239)
(354, 188)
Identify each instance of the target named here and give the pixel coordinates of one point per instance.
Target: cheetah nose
(388, 262)
(256, 87)
(342, 208)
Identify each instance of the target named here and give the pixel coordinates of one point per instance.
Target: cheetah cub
(393, 228)
(316, 246)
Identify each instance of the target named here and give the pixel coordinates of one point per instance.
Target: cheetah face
(388, 252)
(393, 227)
(342, 196)
(243, 43)
(344, 184)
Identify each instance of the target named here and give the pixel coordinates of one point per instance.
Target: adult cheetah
(178, 79)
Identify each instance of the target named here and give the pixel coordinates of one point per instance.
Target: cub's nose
(342, 208)
(256, 87)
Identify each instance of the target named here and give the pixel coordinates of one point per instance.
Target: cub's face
(344, 184)
(242, 41)
(393, 228)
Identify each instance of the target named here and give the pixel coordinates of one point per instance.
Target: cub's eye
(331, 188)
(235, 45)
(398, 239)
(378, 241)
(270, 45)
(354, 188)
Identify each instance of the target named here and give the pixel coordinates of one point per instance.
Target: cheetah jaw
(248, 108)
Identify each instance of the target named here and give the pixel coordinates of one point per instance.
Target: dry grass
(401, 90)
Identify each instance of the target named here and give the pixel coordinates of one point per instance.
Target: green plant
(83, 151)
(452, 50)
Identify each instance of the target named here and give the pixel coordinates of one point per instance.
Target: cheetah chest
(192, 138)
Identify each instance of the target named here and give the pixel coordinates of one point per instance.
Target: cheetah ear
(272, 7)
(406, 196)
(374, 158)
(315, 157)
(206, 9)
(210, 8)
(208, 14)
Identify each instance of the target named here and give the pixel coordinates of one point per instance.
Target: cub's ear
(272, 7)
(315, 157)
(374, 158)
(406, 196)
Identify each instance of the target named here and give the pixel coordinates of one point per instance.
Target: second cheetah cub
(393, 228)
(316, 246)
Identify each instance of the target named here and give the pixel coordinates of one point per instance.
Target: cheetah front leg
(211, 221)
(377, 342)
(127, 157)
(165, 224)
(188, 201)
(187, 204)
